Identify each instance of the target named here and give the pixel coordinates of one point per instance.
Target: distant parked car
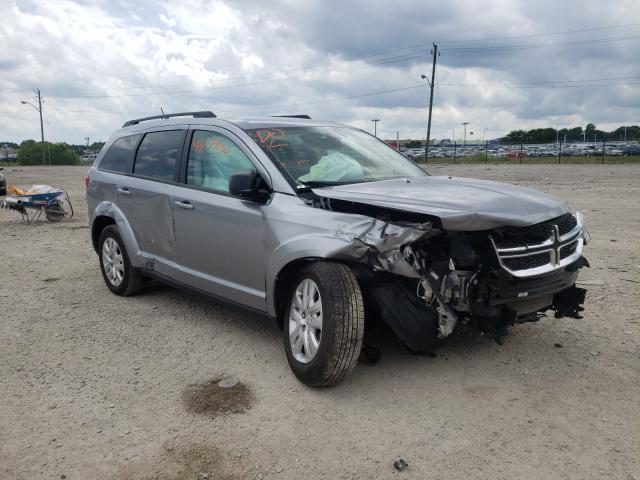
(3, 183)
(631, 150)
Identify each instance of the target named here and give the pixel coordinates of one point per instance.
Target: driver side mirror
(246, 184)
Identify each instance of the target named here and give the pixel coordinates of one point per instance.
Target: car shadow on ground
(464, 343)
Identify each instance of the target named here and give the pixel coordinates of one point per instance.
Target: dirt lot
(97, 386)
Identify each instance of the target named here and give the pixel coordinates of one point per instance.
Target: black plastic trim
(187, 288)
(166, 116)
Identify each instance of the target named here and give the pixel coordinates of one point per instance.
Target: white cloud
(250, 57)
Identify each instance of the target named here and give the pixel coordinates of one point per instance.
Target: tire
(54, 213)
(127, 281)
(338, 343)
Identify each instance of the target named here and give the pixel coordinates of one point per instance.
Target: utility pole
(559, 152)
(375, 126)
(398, 141)
(465, 133)
(625, 134)
(39, 109)
(41, 125)
(434, 52)
(87, 139)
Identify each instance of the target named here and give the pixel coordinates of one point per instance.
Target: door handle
(184, 205)
(124, 191)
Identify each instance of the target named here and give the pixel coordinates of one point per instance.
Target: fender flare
(110, 210)
(304, 247)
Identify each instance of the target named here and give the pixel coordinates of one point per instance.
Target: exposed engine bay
(424, 281)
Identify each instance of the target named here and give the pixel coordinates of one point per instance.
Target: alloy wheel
(305, 321)
(112, 261)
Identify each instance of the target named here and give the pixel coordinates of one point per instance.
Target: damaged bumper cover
(512, 279)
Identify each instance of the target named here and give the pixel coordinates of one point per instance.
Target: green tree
(30, 153)
(413, 144)
(96, 146)
(515, 136)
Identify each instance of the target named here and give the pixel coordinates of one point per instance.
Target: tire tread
(344, 293)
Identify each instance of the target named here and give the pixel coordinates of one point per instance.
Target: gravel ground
(97, 386)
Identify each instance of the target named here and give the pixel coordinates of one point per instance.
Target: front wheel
(118, 273)
(324, 324)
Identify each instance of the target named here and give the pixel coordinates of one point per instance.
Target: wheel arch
(99, 224)
(283, 282)
(107, 213)
(286, 275)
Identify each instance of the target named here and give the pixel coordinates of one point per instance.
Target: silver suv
(315, 224)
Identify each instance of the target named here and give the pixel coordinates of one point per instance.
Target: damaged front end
(423, 280)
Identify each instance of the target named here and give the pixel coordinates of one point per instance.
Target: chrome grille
(566, 223)
(540, 248)
(509, 237)
(568, 250)
(527, 261)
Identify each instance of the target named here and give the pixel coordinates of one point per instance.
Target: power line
(506, 85)
(352, 61)
(335, 99)
(500, 48)
(542, 83)
(369, 55)
(241, 85)
(346, 64)
(554, 84)
(280, 105)
(531, 35)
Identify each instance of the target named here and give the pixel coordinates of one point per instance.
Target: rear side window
(159, 154)
(213, 158)
(119, 157)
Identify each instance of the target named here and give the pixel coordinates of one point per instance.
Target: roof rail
(203, 114)
(293, 116)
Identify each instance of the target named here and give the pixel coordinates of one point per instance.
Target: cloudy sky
(504, 64)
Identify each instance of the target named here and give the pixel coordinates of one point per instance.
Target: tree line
(30, 152)
(576, 134)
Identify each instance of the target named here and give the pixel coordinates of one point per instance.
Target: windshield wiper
(318, 183)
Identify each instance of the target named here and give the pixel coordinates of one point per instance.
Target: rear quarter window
(119, 157)
(159, 154)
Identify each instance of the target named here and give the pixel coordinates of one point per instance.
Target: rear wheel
(118, 273)
(324, 324)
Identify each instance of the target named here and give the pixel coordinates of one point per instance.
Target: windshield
(315, 156)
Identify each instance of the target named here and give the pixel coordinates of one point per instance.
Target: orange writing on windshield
(272, 138)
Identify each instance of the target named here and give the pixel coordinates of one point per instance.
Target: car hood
(462, 204)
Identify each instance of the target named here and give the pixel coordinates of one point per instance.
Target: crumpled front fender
(340, 236)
